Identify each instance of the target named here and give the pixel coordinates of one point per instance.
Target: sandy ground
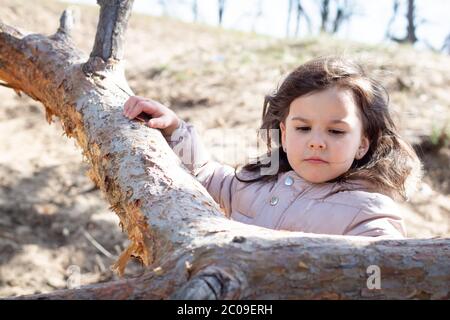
(55, 224)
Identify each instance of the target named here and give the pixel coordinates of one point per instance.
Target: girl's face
(323, 134)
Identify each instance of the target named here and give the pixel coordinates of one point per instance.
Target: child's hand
(162, 117)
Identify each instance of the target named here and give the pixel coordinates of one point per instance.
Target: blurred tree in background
(315, 16)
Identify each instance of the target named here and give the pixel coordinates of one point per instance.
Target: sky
(367, 25)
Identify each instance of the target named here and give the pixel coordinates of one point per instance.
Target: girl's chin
(315, 179)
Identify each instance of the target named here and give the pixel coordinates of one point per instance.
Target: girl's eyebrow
(306, 120)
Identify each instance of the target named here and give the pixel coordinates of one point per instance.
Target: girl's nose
(317, 144)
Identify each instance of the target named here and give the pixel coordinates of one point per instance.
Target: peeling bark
(176, 229)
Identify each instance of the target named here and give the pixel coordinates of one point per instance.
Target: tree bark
(324, 12)
(411, 17)
(411, 36)
(111, 28)
(396, 5)
(221, 8)
(176, 229)
(344, 12)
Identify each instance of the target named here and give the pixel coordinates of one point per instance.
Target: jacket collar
(314, 190)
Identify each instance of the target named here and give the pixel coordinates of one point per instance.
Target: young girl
(339, 161)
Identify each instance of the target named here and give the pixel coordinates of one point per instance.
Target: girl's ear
(363, 148)
(283, 134)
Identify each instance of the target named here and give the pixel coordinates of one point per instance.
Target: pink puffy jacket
(289, 202)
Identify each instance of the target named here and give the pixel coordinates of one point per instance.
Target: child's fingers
(159, 123)
(134, 110)
(131, 102)
(141, 106)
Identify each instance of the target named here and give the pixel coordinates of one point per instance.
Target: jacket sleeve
(379, 218)
(219, 180)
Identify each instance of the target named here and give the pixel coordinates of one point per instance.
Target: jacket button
(274, 200)
(289, 181)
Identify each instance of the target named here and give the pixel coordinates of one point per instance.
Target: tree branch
(66, 22)
(288, 265)
(111, 29)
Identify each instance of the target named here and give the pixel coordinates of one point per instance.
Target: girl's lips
(315, 161)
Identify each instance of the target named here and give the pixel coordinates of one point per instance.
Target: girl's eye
(306, 129)
(336, 131)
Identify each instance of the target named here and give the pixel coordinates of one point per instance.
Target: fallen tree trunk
(176, 229)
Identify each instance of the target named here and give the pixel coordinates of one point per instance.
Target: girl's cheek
(339, 143)
(346, 140)
(342, 148)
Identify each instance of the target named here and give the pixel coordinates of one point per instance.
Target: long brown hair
(390, 166)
